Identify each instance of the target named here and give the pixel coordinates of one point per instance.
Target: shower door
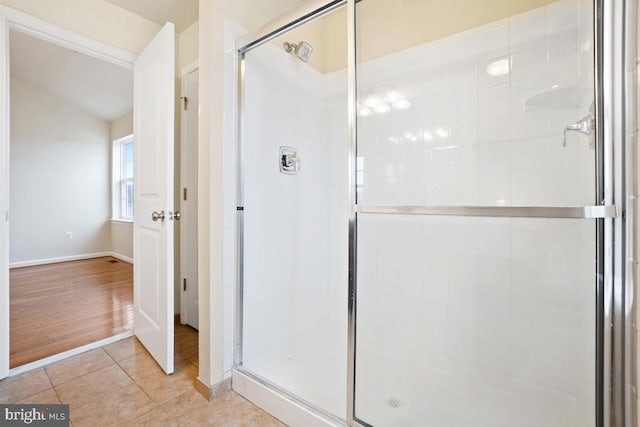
(294, 203)
(477, 235)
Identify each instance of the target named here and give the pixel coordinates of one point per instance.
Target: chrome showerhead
(302, 50)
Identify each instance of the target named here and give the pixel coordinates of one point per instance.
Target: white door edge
(188, 239)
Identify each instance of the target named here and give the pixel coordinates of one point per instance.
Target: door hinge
(184, 284)
(185, 102)
(184, 194)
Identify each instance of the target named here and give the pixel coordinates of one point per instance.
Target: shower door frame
(615, 111)
(298, 17)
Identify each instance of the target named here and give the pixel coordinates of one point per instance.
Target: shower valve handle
(584, 126)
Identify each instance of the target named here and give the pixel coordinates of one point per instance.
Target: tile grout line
(155, 404)
(79, 376)
(98, 395)
(54, 389)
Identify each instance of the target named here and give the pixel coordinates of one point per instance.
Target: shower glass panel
(466, 105)
(296, 207)
(468, 321)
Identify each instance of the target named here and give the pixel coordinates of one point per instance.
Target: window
(123, 179)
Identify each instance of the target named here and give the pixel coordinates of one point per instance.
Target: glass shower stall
(430, 199)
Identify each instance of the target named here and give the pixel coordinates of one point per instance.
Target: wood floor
(58, 307)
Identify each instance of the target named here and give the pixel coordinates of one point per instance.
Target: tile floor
(121, 385)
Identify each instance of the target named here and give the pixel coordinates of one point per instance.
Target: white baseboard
(69, 258)
(121, 257)
(58, 259)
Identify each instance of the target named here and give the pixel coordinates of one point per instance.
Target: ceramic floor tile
(24, 385)
(140, 365)
(126, 404)
(155, 418)
(77, 366)
(124, 349)
(47, 396)
(229, 410)
(263, 419)
(82, 390)
(162, 387)
(189, 402)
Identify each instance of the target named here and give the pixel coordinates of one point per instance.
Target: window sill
(121, 221)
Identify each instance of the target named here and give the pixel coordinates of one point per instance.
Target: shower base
(314, 373)
(392, 393)
(406, 395)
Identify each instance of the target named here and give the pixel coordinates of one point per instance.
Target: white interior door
(189, 204)
(153, 111)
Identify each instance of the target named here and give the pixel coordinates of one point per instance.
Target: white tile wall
(488, 121)
(492, 310)
(295, 279)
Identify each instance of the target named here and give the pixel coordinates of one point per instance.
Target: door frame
(11, 19)
(184, 72)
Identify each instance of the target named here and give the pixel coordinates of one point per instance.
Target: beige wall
(97, 19)
(122, 126)
(188, 45)
(60, 178)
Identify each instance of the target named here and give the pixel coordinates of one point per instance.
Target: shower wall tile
(492, 39)
(462, 319)
(494, 282)
(294, 299)
(494, 101)
(527, 29)
(494, 106)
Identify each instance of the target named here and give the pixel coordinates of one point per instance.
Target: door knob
(177, 215)
(157, 216)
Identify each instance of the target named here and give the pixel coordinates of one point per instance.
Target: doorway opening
(71, 272)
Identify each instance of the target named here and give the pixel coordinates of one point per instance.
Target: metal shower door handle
(157, 216)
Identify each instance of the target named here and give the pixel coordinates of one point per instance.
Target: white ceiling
(181, 12)
(98, 87)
